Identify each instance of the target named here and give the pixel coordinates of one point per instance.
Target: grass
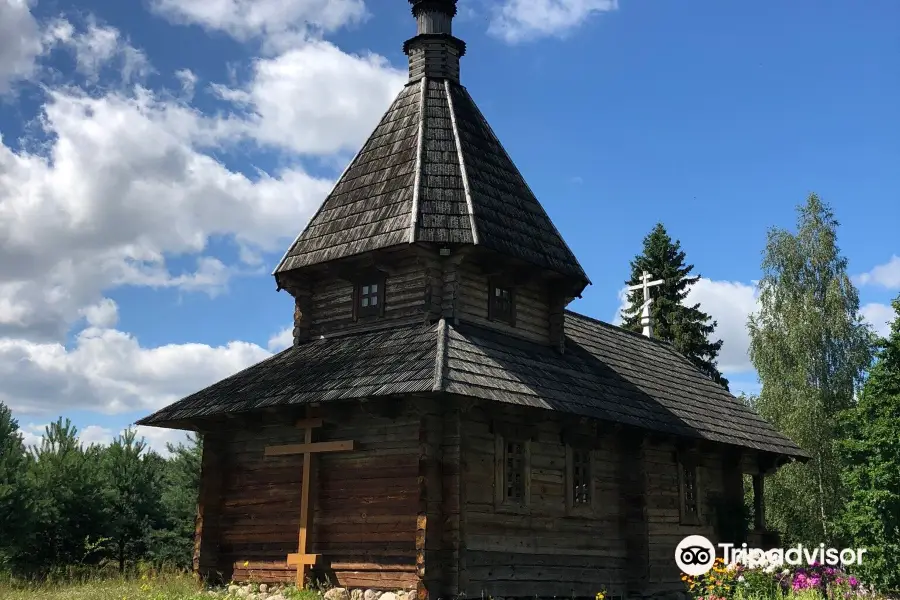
(163, 586)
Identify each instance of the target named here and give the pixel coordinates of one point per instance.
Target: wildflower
(853, 581)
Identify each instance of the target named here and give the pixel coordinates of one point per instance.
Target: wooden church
(442, 423)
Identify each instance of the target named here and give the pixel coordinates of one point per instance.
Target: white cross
(645, 284)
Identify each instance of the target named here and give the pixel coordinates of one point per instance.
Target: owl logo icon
(695, 555)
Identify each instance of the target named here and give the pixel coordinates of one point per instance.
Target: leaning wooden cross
(308, 449)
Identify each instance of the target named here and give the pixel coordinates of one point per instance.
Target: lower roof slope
(606, 373)
(432, 171)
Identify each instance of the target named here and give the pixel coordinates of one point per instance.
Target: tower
(431, 219)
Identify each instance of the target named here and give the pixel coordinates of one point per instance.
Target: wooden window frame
(587, 508)
(366, 279)
(493, 286)
(501, 502)
(690, 464)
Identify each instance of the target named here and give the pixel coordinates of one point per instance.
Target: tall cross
(645, 284)
(308, 449)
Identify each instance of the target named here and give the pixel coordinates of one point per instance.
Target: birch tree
(810, 348)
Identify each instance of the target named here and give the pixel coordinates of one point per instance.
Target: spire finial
(434, 52)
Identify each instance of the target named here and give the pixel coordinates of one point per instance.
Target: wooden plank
(296, 559)
(305, 513)
(307, 423)
(309, 447)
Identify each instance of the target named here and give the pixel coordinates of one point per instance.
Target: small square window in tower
(501, 304)
(369, 297)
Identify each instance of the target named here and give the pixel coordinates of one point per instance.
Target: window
(690, 505)
(369, 297)
(579, 482)
(514, 462)
(501, 304)
(581, 477)
(512, 479)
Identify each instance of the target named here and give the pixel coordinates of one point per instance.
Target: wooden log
(309, 448)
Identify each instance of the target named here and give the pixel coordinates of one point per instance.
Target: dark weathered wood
(309, 447)
(208, 530)
(759, 505)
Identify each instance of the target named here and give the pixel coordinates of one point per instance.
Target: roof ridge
(462, 164)
(440, 359)
(417, 183)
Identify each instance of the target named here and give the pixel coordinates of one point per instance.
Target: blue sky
(158, 158)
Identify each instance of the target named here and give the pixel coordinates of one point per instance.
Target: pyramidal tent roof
(433, 171)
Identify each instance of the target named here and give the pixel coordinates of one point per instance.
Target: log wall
(412, 293)
(415, 504)
(540, 550)
(532, 305)
(366, 501)
(664, 525)
(624, 544)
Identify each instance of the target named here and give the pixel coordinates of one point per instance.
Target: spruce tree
(871, 458)
(687, 327)
(810, 348)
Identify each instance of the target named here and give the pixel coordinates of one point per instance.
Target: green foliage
(65, 507)
(173, 540)
(870, 449)
(13, 493)
(687, 327)
(810, 348)
(70, 511)
(133, 479)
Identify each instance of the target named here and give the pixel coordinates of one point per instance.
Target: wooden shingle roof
(432, 171)
(605, 373)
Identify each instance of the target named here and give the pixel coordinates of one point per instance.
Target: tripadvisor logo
(695, 555)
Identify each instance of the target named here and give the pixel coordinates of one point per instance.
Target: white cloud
(104, 314)
(278, 23)
(730, 303)
(123, 185)
(886, 275)
(188, 81)
(519, 20)
(327, 99)
(94, 434)
(155, 438)
(121, 181)
(20, 42)
(32, 434)
(108, 371)
(879, 316)
(96, 47)
(281, 340)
